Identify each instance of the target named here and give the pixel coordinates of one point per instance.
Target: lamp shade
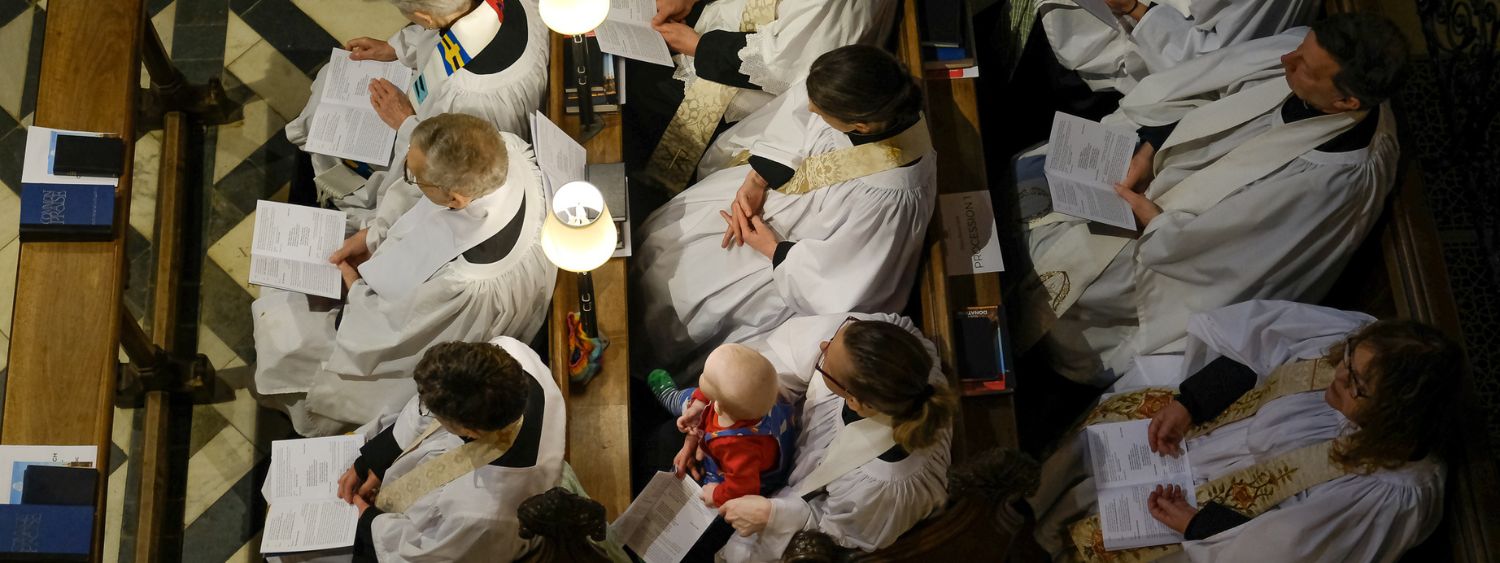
(573, 17)
(579, 234)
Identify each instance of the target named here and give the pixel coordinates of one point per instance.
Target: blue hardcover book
(67, 210)
(45, 532)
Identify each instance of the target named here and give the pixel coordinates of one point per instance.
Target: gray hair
(465, 154)
(439, 8)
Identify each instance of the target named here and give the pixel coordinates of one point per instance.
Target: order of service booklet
(1125, 472)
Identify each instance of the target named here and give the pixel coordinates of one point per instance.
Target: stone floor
(266, 52)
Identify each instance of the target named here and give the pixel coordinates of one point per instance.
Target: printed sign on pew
(969, 229)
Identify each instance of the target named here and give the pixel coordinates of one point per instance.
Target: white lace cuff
(761, 73)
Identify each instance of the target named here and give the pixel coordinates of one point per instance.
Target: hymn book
(665, 520)
(346, 125)
(627, 32)
(291, 247)
(1084, 162)
(1126, 471)
(305, 511)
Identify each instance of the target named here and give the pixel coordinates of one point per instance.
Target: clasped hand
(1137, 179)
(348, 257)
(359, 493)
(744, 222)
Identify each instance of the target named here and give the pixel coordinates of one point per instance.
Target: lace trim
(761, 73)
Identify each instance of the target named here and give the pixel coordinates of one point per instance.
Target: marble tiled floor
(266, 52)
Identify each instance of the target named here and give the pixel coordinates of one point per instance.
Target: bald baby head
(740, 380)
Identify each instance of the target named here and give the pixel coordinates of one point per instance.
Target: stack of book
(948, 40)
(48, 515)
(606, 76)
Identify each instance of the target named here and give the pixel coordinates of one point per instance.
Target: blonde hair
(892, 377)
(465, 154)
(742, 381)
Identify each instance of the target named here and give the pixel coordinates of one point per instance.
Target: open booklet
(305, 511)
(665, 520)
(627, 32)
(1084, 162)
(291, 247)
(345, 125)
(1125, 473)
(563, 160)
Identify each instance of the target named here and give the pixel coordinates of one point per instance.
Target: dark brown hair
(1372, 54)
(891, 368)
(1414, 380)
(474, 384)
(862, 84)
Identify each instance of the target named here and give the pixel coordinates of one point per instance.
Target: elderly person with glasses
(486, 58)
(1313, 435)
(872, 455)
(453, 253)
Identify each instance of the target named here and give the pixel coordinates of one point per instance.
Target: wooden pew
(1400, 272)
(64, 344)
(598, 413)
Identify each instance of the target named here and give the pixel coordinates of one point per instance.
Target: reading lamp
(579, 236)
(576, 18)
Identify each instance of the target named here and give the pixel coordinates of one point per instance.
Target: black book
(80, 155)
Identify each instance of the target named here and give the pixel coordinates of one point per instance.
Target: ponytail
(863, 84)
(892, 378)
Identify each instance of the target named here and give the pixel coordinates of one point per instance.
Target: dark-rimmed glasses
(1354, 379)
(823, 353)
(412, 179)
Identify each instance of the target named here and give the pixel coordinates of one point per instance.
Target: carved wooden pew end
(566, 523)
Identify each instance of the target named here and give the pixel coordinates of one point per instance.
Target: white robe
(472, 518)
(363, 367)
(780, 53)
(1284, 236)
(857, 246)
(867, 508)
(504, 98)
(1171, 32)
(1371, 517)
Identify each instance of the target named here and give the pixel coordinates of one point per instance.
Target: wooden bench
(65, 339)
(598, 413)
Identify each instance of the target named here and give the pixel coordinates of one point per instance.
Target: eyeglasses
(824, 354)
(1354, 380)
(412, 179)
(422, 409)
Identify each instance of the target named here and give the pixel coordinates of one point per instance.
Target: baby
(738, 419)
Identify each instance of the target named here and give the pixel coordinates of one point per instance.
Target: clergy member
(1261, 168)
(452, 254)
(740, 55)
(827, 215)
(1139, 37)
(872, 459)
(1363, 420)
(496, 410)
(486, 58)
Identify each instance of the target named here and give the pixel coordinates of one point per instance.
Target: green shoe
(662, 386)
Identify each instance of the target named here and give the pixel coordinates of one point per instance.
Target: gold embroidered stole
(1250, 491)
(443, 469)
(703, 106)
(843, 165)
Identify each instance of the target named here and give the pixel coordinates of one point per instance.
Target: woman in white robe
(1145, 37)
(1389, 500)
(1277, 220)
(766, 63)
(486, 58)
(874, 377)
(434, 265)
(471, 517)
(849, 246)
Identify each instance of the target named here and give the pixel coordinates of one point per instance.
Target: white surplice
(472, 518)
(1171, 32)
(505, 98)
(866, 508)
(1286, 235)
(857, 246)
(363, 366)
(1352, 518)
(780, 53)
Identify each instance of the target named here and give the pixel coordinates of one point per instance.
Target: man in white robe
(850, 246)
(865, 505)
(1144, 37)
(1356, 517)
(433, 273)
(1269, 174)
(486, 58)
(471, 517)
